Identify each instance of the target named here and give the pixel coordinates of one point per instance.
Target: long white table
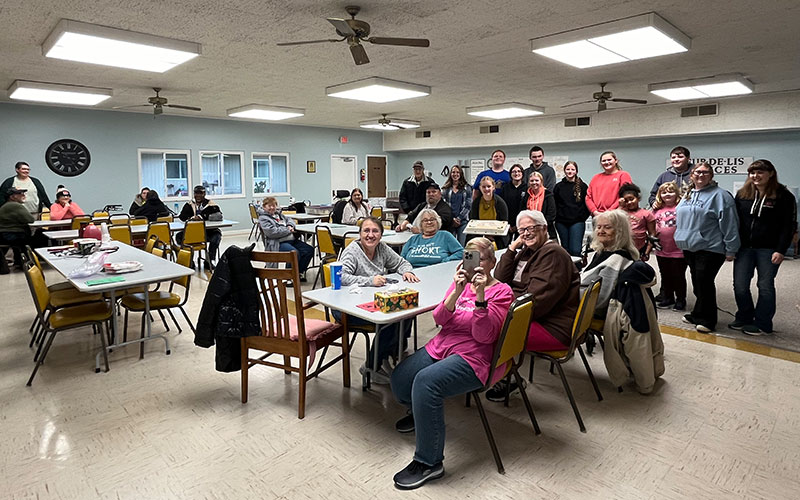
(137, 230)
(390, 237)
(303, 218)
(154, 270)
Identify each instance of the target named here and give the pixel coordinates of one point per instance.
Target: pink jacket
(59, 212)
(472, 332)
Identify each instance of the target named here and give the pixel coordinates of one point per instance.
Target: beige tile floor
(722, 423)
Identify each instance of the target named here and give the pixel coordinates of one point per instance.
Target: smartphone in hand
(471, 260)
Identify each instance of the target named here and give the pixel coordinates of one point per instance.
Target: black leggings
(673, 277)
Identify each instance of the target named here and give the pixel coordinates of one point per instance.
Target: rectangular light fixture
(702, 88)
(505, 111)
(379, 90)
(262, 112)
(389, 124)
(628, 39)
(90, 43)
(57, 93)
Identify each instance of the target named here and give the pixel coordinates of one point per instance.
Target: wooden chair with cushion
(510, 344)
(56, 319)
(286, 334)
(580, 326)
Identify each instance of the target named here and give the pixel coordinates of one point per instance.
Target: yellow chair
(287, 335)
(580, 326)
(326, 250)
(349, 237)
(45, 215)
(256, 229)
(194, 236)
(161, 230)
(165, 218)
(54, 320)
(162, 300)
(79, 219)
(121, 233)
(139, 221)
(99, 214)
(377, 212)
(510, 344)
(119, 219)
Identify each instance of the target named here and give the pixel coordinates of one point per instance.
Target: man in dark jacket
(536, 154)
(203, 209)
(412, 192)
(680, 172)
(433, 200)
(35, 197)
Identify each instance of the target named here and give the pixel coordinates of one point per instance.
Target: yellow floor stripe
(742, 345)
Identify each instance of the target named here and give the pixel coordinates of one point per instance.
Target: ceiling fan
(602, 97)
(355, 32)
(158, 103)
(387, 123)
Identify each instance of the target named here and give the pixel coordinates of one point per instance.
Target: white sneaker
(703, 329)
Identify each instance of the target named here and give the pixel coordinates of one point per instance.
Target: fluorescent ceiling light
(505, 111)
(57, 93)
(392, 125)
(90, 43)
(702, 88)
(636, 37)
(379, 90)
(261, 112)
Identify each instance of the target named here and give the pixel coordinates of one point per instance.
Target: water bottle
(176, 208)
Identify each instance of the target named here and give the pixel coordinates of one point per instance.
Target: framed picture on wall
(311, 167)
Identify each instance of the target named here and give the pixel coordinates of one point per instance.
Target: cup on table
(336, 276)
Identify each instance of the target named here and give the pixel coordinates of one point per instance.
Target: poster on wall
(510, 162)
(723, 165)
(557, 162)
(476, 166)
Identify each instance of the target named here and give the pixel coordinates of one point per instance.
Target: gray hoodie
(358, 269)
(681, 179)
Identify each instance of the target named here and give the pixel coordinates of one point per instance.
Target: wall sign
(724, 165)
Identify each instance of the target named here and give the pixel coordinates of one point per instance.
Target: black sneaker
(498, 392)
(680, 305)
(405, 424)
(416, 474)
(737, 325)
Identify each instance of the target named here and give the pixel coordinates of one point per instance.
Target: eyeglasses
(427, 221)
(529, 229)
(702, 172)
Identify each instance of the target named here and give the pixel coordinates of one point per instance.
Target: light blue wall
(645, 159)
(114, 137)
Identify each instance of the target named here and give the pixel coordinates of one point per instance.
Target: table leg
(113, 332)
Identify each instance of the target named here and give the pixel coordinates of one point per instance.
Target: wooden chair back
(275, 294)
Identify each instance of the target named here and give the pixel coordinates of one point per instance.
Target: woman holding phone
(365, 263)
(455, 361)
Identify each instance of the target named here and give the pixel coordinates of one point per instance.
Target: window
(166, 171)
(222, 173)
(270, 173)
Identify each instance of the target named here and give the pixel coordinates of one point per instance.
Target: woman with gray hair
(430, 245)
(614, 251)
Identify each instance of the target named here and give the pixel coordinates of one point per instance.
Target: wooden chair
(256, 229)
(79, 219)
(284, 334)
(54, 320)
(326, 251)
(580, 326)
(510, 344)
(121, 233)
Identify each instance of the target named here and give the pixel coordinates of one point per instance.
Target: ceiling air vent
(491, 129)
(423, 134)
(703, 110)
(580, 121)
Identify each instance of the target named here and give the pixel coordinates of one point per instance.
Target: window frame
(200, 154)
(288, 173)
(162, 189)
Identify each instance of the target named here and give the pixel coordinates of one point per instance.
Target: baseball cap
(433, 185)
(12, 191)
(199, 189)
(418, 164)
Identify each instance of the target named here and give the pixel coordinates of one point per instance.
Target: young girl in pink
(643, 223)
(671, 264)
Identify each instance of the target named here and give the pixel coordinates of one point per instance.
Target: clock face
(67, 157)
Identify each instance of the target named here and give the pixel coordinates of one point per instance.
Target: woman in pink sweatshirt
(456, 361)
(64, 207)
(603, 193)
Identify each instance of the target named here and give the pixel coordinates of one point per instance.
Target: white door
(343, 173)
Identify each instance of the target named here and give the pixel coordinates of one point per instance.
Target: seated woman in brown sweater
(535, 264)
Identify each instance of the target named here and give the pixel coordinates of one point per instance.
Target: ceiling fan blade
(633, 101)
(577, 103)
(359, 54)
(306, 42)
(342, 26)
(407, 42)
(190, 108)
(401, 127)
(131, 106)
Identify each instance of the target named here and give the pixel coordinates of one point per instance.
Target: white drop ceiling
(479, 53)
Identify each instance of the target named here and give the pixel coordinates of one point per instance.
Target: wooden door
(376, 177)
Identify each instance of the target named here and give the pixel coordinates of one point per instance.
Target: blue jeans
(305, 252)
(459, 233)
(387, 338)
(421, 383)
(747, 261)
(571, 237)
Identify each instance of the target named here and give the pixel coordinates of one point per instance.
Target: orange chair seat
(135, 301)
(71, 297)
(75, 315)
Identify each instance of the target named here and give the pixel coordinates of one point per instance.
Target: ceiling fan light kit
(628, 39)
(263, 112)
(375, 89)
(58, 93)
(505, 111)
(385, 123)
(90, 43)
(702, 88)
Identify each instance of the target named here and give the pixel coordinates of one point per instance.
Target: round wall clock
(67, 157)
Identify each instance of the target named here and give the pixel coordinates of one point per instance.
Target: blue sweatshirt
(708, 221)
(442, 247)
